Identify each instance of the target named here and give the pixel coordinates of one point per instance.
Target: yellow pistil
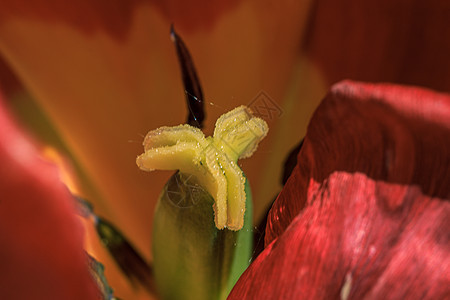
(212, 160)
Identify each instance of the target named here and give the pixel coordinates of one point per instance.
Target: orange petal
(107, 73)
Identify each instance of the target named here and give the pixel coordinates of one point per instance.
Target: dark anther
(129, 261)
(85, 208)
(97, 273)
(192, 87)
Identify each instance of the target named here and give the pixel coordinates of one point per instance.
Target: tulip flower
(365, 213)
(105, 73)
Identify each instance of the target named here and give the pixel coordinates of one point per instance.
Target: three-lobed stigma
(212, 160)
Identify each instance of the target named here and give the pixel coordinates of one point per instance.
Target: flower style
(365, 213)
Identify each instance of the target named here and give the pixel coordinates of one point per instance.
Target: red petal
(363, 204)
(359, 237)
(397, 41)
(390, 133)
(41, 254)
